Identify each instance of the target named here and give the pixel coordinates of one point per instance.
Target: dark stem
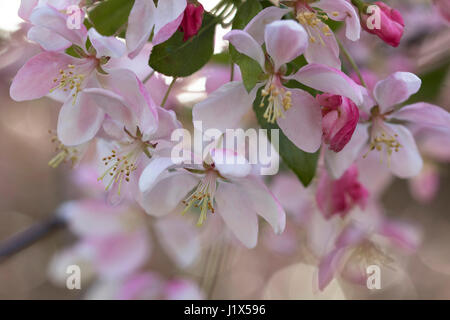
(24, 239)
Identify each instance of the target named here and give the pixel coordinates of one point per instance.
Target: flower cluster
(338, 129)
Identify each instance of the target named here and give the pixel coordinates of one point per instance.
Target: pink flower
(338, 197)
(340, 117)
(386, 130)
(223, 185)
(391, 25)
(355, 249)
(295, 111)
(192, 20)
(145, 17)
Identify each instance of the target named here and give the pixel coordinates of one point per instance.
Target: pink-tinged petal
(167, 123)
(302, 123)
(345, 12)
(326, 53)
(26, 7)
(52, 19)
(170, 189)
(113, 105)
(47, 39)
(263, 202)
(285, 41)
(152, 172)
(168, 11)
(245, 44)
(35, 79)
(352, 235)
(179, 238)
(140, 25)
(224, 108)
(338, 162)
(182, 289)
(329, 80)
(167, 31)
(121, 254)
(239, 217)
(403, 235)
(424, 114)
(257, 25)
(230, 164)
(407, 162)
(79, 122)
(106, 46)
(94, 218)
(329, 266)
(395, 89)
(125, 83)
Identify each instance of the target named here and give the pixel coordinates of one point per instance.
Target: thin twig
(163, 103)
(24, 239)
(351, 61)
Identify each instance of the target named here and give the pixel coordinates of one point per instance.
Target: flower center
(383, 140)
(368, 254)
(313, 24)
(121, 163)
(64, 153)
(203, 196)
(279, 100)
(69, 80)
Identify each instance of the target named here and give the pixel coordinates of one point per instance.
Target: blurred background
(31, 191)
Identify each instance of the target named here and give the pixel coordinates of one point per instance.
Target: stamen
(279, 101)
(203, 196)
(64, 153)
(313, 23)
(68, 80)
(380, 141)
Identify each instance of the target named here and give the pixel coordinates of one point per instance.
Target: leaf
(178, 58)
(303, 164)
(250, 69)
(110, 15)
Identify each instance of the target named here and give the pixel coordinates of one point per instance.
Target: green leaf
(110, 15)
(250, 69)
(178, 58)
(303, 164)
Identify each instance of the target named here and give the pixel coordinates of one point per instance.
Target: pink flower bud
(391, 25)
(192, 20)
(338, 197)
(340, 117)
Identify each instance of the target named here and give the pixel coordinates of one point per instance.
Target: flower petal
(167, 31)
(35, 79)
(106, 46)
(395, 89)
(424, 114)
(230, 164)
(302, 123)
(326, 53)
(167, 12)
(329, 266)
(26, 7)
(345, 12)
(263, 202)
(245, 44)
(79, 122)
(285, 41)
(407, 162)
(140, 25)
(257, 25)
(166, 195)
(224, 108)
(329, 80)
(47, 39)
(338, 162)
(52, 19)
(237, 215)
(152, 172)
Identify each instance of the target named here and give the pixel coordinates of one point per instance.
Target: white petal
(245, 44)
(257, 25)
